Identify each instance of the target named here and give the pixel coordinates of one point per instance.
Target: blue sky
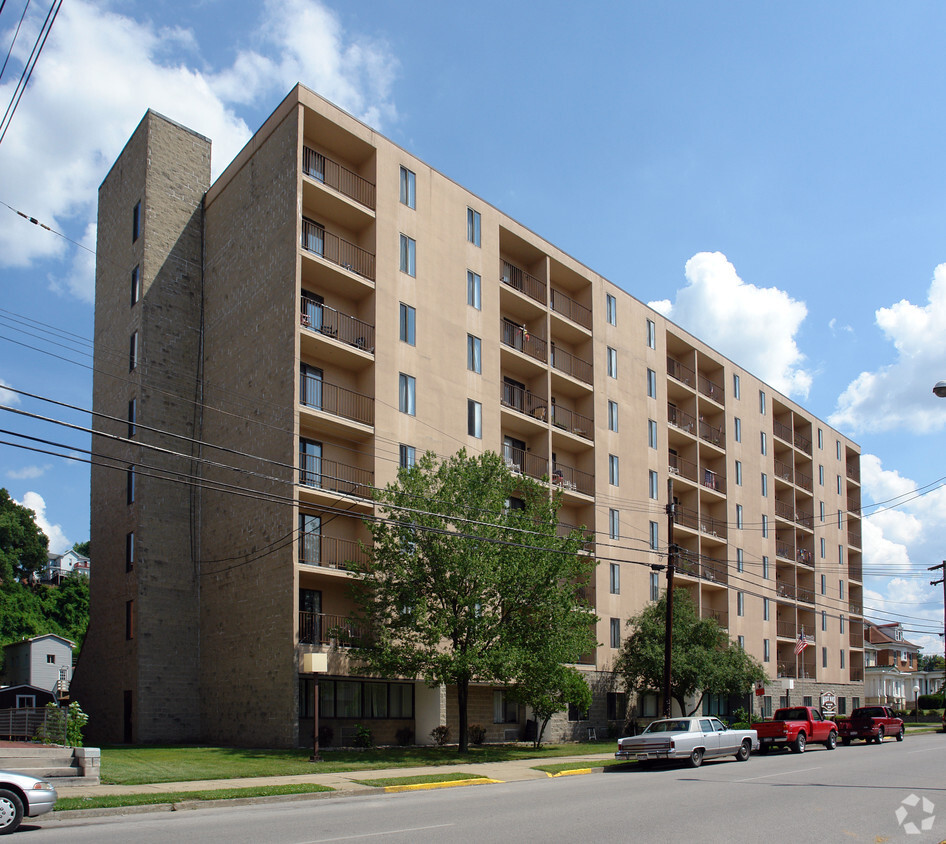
(769, 175)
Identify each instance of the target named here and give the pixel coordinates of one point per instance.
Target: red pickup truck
(796, 727)
(870, 723)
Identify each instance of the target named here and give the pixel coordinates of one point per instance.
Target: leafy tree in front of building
(23, 546)
(548, 689)
(704, 660)
(468, 580)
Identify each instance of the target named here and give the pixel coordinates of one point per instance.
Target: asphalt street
(864, 793)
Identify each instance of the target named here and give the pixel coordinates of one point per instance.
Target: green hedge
(930, 702)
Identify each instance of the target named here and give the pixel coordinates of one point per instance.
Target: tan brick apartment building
(331, 306)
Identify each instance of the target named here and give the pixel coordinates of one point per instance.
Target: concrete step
(15, 762)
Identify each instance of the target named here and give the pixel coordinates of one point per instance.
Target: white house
(62, 565)
(43, 661)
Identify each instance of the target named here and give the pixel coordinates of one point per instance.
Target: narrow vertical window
(820, 438)
(651, 383)
(841, 589)
(735, 386)
(135, 284)
(473, 226)
(474, 286)
(615, 583)
(766, 652)
(842, 657)
(820, 475)
(653, 490)
(132, 414)
(614, 524)
(765, 609)
(824, 585)
(136, 222)
(408, 188)
(408, 255)
(839, 485)
(613, 416)
(765, 485)
(406, 394)
(474, 419)
(133, 351)
(762, 402)
(824, 620)
(654, 536)
(738, 422)
(840, 555)
(741, 641)
(738, 473)
(652, 433)
(129, 551)
(474, 360)
(764, 443)
(654, 586)
(651, 334)
(821, 509)
(765, 568)
(612, 309)
(615, 632)
(612, 362)
(841, 620)
(130, 485)
(740, 560)
(739, 516)
(613, 470)
(822, 547)
(765, 526)
(838, 448)
(740, 603)
(129, 619)
(406, 456)
(408, 321)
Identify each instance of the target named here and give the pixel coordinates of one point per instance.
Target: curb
(573, 772)
(426, 786)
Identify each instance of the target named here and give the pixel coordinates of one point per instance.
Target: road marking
(779, 774)
(386, 832)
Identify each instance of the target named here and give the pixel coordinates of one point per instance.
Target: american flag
(801, 644)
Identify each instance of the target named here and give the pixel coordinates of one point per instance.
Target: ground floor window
(357, 699)
(649, 706)
(617, 706)
(575, 714)
(842, 706)
(505, 711)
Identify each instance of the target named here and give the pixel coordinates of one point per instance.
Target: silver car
(690, 738)
(22, 796)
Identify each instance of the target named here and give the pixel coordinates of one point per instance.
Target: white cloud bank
(899, 395)
(58, 543)
(753, 325)
(100, 71)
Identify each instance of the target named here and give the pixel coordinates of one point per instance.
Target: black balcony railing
(802, 442)
(721, 617)
(784, 510)
(525, 401)
(332, 248)
(325, 320)
(331, 552)
(782, 431)
(567, 477)
(317, 472)
(573, 421)
(319, 394)
(712, 434)
(683, 468)
(570, 309)
(680, 371)
(519, 337)
(572, 365)
(710, 389)
(524, 462)
(334, 175)
(320, 628)
(681, 419)
(784, 471)
(522, 281)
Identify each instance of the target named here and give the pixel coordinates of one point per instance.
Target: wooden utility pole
(942, 580)
(668, 631)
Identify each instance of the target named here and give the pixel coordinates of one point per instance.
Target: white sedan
(23, 796)
(690, 738)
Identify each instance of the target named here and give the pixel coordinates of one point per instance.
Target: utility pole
(668, 631)
(942, 580)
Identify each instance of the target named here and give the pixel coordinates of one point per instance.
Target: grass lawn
(112, 800)
(422, 779)
(136, 765)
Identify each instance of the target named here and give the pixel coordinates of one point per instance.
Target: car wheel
(799, 745)
(696, 758)
(880, 735)
(11, 811)
(742, 755)
(846, 741)
(764, 749)
(900, 734)
(832, 741)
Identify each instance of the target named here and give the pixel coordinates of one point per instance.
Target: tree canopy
(468, 580)
(23, 546)
(703, 658)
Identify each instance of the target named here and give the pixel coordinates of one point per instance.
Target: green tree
(549, 689)
(703, 658)
(23, 546)
(67, 607)
(930, 662)
(82, 547)
(466, 574)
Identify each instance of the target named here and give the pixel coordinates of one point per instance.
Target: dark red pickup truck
(870, 723)
(796, 727)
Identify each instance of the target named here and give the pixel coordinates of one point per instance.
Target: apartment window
(738, 432)
(613, 416)
(739, 516)
(654, 536)
(821, 509)
(474, 361)
(132, 415)
(652, 485)
(765, 485)
(740, 603)
(614, 524)
(839, 485)
(473, 226)
(651, 433)
(765, 609)
(408, 324)
(474, 286)
(654, 586)
(136, 222)
(840, 555)
(824, 585)
(474, 419)
(615, 579)
(740, 560)
(824, 620)
(135, 284)
(612, 309)
(615, 632)
(651, 334)
(765, 567)
(841, 619)
(613, 470)
(741, 641)
(822, 548)
(738, 473)
(842, 658)
(129, 619)
(129, 551)
(735, 386)
(651, 383)
(762, 402)
(841, 589)
(130, 485)
(133, 351)
(766, 651)
(840, 520)
(612, 362)
(408, 188)
(765, 527)
(837, 448)
(824, 657)
(764, 443)
(408, 255)
(821, 475)
(406, 394)
(616, 704)
(406, 456)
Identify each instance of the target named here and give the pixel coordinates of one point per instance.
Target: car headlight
(43, 786)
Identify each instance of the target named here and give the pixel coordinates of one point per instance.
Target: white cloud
(58, 543)
(8, 397)
(899, 395)
(834, 328)
(753, 325)
(100, 72)
(28, 473)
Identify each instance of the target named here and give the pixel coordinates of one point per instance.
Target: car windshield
(668, 727)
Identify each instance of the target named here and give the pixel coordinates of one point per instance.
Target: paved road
(851, 795)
